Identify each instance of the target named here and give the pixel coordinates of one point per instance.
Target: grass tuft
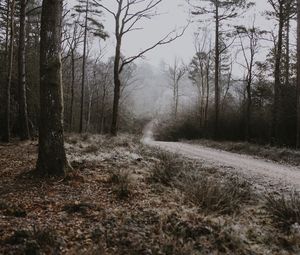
(284, 211)
(122, 181)
(211, 194)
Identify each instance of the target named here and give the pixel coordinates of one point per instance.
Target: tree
(73, 41)
(222, 11)
(298, 73)
(281, 11)
(10, 58)
(127, 15)
(175, 74)
(249, 43)
(199, 74)
(91, 14)
(52, 159)
(23, 115)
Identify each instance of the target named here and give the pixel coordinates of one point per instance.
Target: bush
(182, 128)
(284, 211)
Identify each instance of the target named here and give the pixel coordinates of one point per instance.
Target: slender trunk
(114, 127)
(102, 110)
(287, 54)
(249, 98)
(176, 99)
(207, 95)
(52, 157)
(23, 115)
(117, 81)
(83, 68)
(72, 88)
(298, 75)
(6, 52)
(202, 117)
(89, 112)
(217, 69)
(117, 88)
(6, 136)
(277, 82)
(248, 110)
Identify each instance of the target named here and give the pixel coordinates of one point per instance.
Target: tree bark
(298, 74)
(117, 81)
(217, 69)
(23, 115)
(207, 95)
(117, 88)
(83, 67)
(52, 157)
(249, 96)
(72, 89)
(6, 135)
(277, 76)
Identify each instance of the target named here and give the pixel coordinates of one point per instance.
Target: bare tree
(52, 157)
(281, 13)
(175, 74)
(73, 41)
(23, 115)
(90, 25)
(127, 15)
(249, 43)
(222, 11)
(6, 136)
(199, 73)
(298, 73)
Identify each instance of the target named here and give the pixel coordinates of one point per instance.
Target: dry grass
(202, 186)
(284, 211)
(215, 195)
(122, 181)
(89, 217)
(165, 171)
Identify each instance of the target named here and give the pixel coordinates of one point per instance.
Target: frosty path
(262, 173)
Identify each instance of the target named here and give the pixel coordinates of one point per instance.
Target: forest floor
(126, 198)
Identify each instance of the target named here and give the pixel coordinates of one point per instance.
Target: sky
(173, 14)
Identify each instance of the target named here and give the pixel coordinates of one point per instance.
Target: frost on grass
(125, 198)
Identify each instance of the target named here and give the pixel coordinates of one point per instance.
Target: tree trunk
(83, 67)
(23, 115)
(298, 74)
(207, 95)
(249, 98)
(117, 88)
(72, 88)
(287, 53)
(6, 135)
(217, 69)
(102, 110)
(52, 157)
(277, 82)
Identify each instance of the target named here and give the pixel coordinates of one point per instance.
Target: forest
(116, 140)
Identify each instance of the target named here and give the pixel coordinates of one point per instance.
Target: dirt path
(264, 174)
